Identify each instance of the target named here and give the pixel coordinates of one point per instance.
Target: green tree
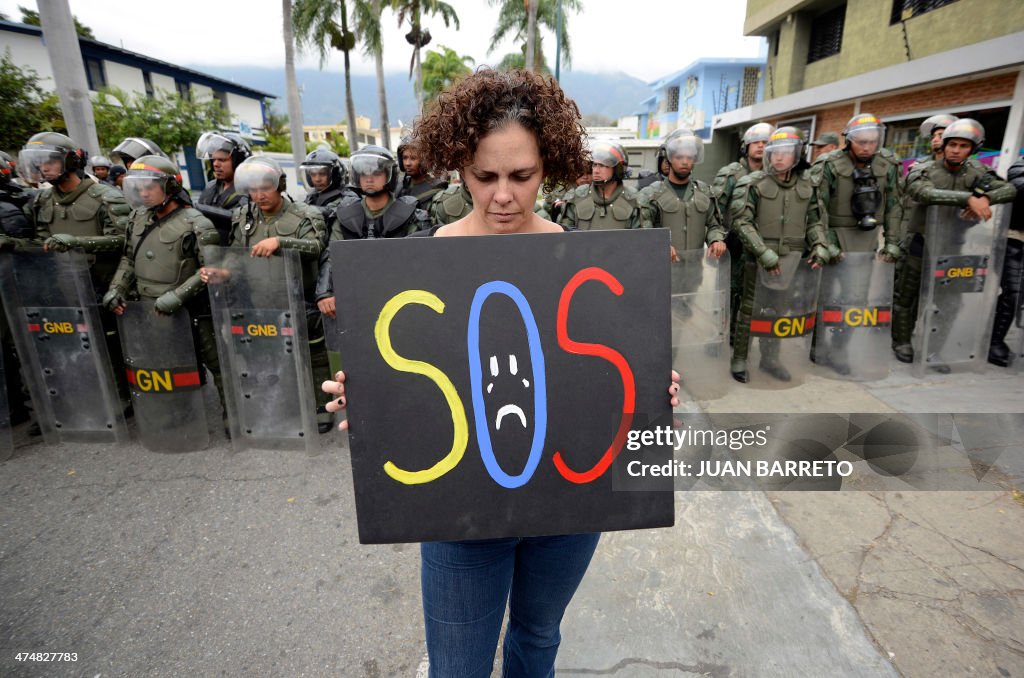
(413, 11)
(323, 25)
(514, 20)
(169, 120)
(517, 60)
(31, 18)
(441, 69)
(27, 109)
(276, 130)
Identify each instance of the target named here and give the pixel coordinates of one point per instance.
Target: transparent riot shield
(51, 307)
(852, 333)
(163, 377)
(700, 323)
(782, 324)
(959, 287)
(260, 320)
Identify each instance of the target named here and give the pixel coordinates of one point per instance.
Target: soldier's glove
(168, 303)
(768, 259)
(114, 297)
(891, 253)
(820, 255)
(62, 242)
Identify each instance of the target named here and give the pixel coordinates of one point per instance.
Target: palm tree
(418, 37)
(368, 15)
(294, 102)
(514, 19)
(323, 24)
(441, 69)
(531, 33)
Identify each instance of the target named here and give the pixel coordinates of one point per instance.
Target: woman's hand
(337, 388)
(673, 390)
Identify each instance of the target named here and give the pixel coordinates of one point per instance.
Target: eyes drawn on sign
(538, 384)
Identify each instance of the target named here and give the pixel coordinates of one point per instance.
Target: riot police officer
(603, 204)
(99, 167)
(269, 222)
(225, 151)
(416, 182)
(163, 255)
(774, 211)
(76, 213)
(15, 232)
(377, 214)
(648, 178)
(824, 144)
(1011, 281)
(751, 159)
(326, 180)
(682, 203)
(956, 180)
(931, 130)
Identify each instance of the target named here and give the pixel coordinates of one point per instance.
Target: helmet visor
(41, 163)
(145, 189)
(866, 134)
(685, 147)
(759, 132)
(368, 164)
(316, 176)
(782, 156)
(256, 176)
(211, 142)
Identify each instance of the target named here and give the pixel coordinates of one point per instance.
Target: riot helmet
(228, 142)
(685, 142)
(99, 161)
(758, 132)
(151, 182)
(323, 163)
(936, 122)
(783, 150)
(612, 155)
(260, 173)
(965, 128)
(135, 147)
(371, 160)
(51, 156)
(864, 136)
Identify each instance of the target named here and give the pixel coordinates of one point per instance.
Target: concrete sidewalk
(213, 564)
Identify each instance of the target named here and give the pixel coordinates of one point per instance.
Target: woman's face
(504, 179)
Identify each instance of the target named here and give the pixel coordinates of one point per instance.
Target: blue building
(692, 97)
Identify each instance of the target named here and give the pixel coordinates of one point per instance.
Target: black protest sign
(492, 380)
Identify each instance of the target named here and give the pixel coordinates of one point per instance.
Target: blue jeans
(466, 585)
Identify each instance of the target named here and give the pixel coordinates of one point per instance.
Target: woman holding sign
(506, 132)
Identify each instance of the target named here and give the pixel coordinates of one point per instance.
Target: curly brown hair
(450, 129)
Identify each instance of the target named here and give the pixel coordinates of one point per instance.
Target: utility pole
(294, 99)
(69, 72)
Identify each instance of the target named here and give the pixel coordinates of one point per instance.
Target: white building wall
(28, 51)
(127, 78)
(162, 82)
(245, 109)
(201, 92)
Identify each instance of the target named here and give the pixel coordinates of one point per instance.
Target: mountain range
(323, 92)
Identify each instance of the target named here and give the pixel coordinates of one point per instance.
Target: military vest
(285, 224)
(393, 222)
(687, 220)
(840, 212)
(782, 212)
(944, 179)
(167, 256)
(211, 195)
(594, 213)
(452, 204)
(76, 213)
(721, 190)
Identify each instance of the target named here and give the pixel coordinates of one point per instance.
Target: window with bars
(751, 76)
(908, 9)
(826, 34)
(94, 73)
(672, 99)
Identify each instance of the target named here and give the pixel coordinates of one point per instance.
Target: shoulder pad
(701, 186)
(887, 154)
(407, 199)
(451, 190)
(581, 191)
(196, 218)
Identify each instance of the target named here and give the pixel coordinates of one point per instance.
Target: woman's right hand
(337, 388)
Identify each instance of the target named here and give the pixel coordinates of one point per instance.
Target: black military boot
(770, 362)
(1006, 306)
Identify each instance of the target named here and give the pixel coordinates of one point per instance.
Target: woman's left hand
(673, 390)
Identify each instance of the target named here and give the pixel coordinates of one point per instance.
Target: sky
(643, 38)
